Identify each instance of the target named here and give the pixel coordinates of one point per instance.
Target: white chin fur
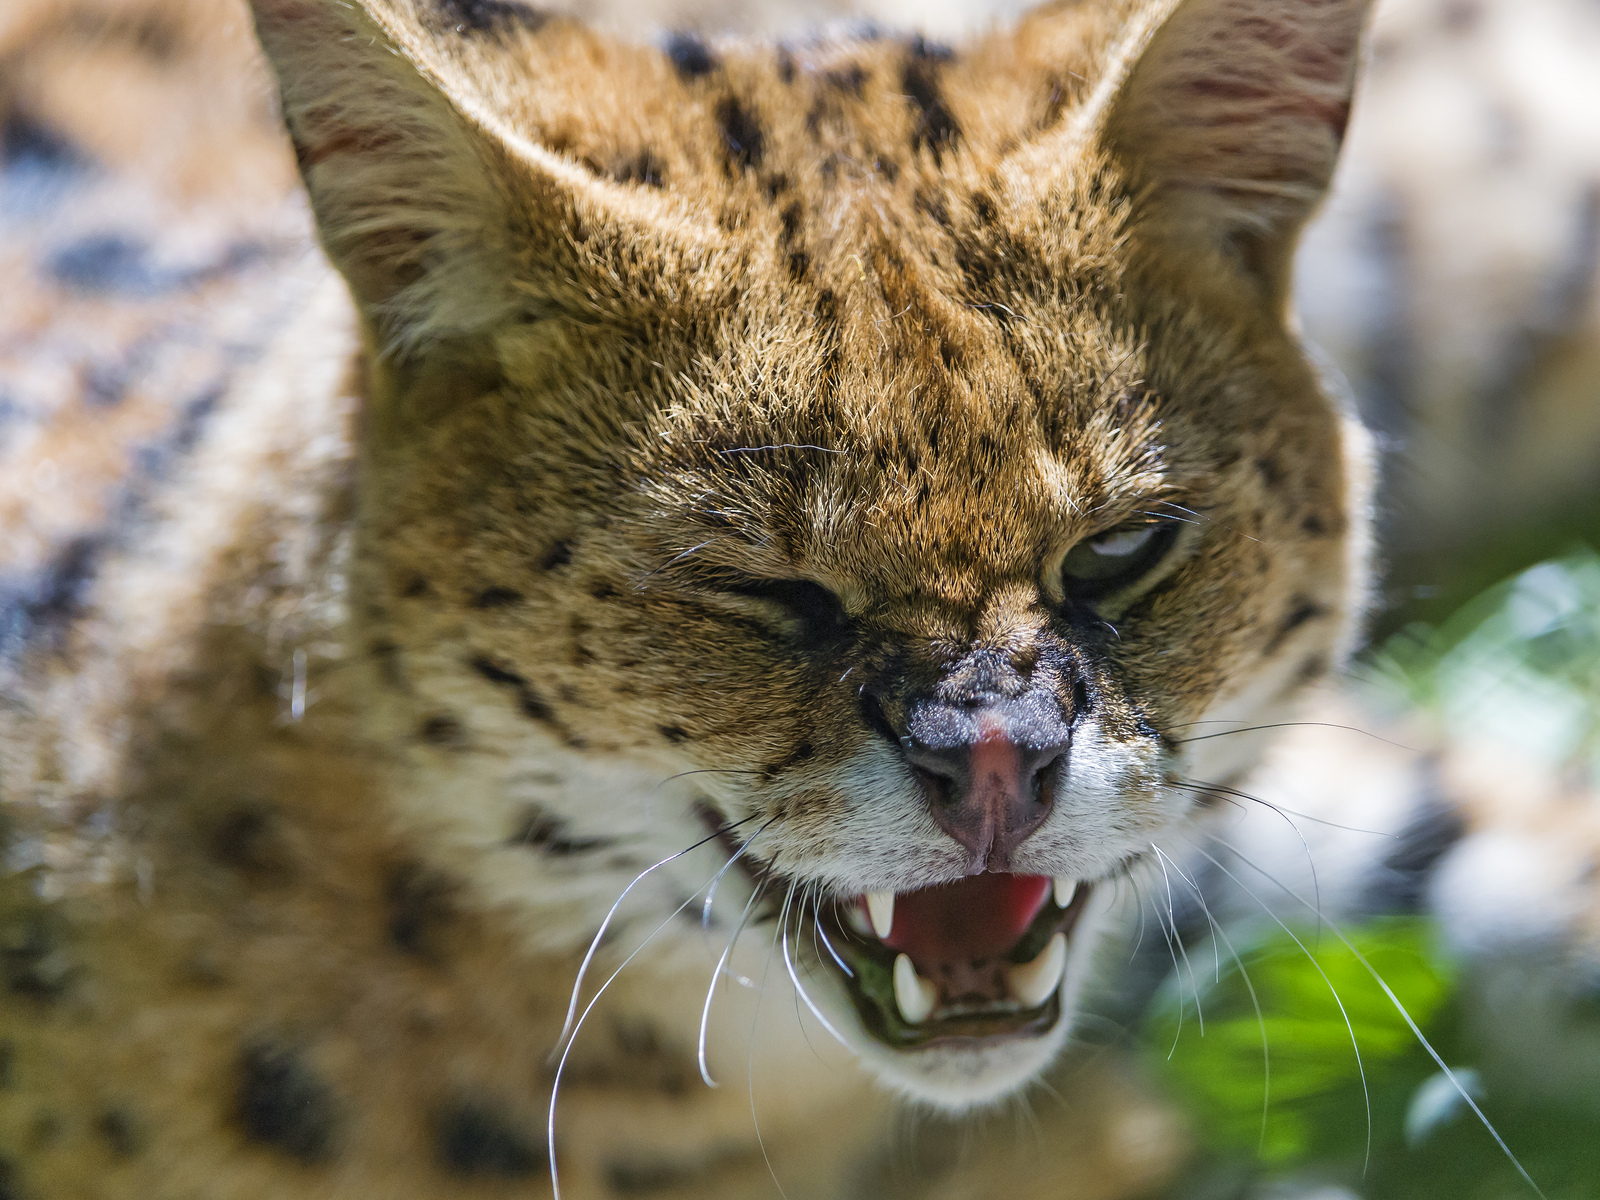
(968, 1075)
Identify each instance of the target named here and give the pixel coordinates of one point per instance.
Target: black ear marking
(282, 1102)
(934, 126)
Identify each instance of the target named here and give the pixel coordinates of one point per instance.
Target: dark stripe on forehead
(934, 126)
(741, 133)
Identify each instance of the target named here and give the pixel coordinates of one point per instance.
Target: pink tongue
(979, 917)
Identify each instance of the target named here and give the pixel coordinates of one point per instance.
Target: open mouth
(980, 958)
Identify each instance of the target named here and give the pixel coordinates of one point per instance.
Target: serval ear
(1233, 112)
(445, 218)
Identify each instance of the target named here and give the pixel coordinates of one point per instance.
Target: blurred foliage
(1519, 662)
(1318, 1006)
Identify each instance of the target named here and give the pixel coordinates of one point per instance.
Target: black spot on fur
(442, 729)
(675, 734)
(250, 837)
(422, 907)
(34, 957)
(120, 1130)
(1271, 473)
(121, 265)
(850, 80)
(491, 16)
(10, 1189)
(741, 133)
(496, 597)
(690, 56)
(474, 1139)
(1301, 611)
(41, 605)
(544, 832)
(8, 1065)
(802, 752)
(283, 1103)
(1313, 669)
(642, 168)
(785, 65)
(558, 555)
(50, 599)
(1313, 525)
(920, 49)
(37, 166)
(418, 586)
(933, 126)
(528, 700)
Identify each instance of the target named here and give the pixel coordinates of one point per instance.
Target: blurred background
(1452, 283)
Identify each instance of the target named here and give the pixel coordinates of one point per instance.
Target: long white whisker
(555, 1083)
(816, 915)
(1355, 1046)
(594, 945)
(1316, 884)
(794, 978)
(1406, 1016)
(1172, 919)
(716, 976)
(1200, 896)
(750, 1073)
(1255, 1002)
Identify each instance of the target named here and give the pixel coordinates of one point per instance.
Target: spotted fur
(354, 658)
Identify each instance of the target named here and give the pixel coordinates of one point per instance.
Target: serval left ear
(1231, 113)
(445, 215)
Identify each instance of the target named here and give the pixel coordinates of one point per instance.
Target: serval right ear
(1233, 112)
(447, 220)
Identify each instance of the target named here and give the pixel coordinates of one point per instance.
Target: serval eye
(1116, 560)
(820, 613)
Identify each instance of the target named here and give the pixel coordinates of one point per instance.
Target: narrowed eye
(1101, 566)
(819, 610)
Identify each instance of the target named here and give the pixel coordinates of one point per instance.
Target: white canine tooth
(913, 995)
(880, 907)
(1066, 888)
(1033, 982)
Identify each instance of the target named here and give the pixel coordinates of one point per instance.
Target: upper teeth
(880, 907)
(914, 996)
(1066, 888)
(1033, 982)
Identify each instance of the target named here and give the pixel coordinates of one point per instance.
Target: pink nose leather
(989, 794)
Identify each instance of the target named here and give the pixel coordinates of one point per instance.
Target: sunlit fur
(909, 351)
(472, 653)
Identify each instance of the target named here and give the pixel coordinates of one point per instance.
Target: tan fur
(407, 662)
